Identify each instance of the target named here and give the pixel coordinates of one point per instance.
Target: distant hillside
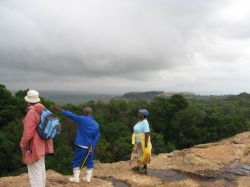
(142, 95)
(79, 98)
(74, 98)
(150, 95)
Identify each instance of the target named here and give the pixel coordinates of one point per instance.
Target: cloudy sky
(116, 46)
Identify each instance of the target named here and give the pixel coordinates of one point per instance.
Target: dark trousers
(80, 155)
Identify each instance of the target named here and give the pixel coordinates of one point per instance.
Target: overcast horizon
(116, 46)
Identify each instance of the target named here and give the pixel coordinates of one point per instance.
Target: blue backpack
(49, 125)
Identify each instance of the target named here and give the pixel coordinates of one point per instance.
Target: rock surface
(221, 164)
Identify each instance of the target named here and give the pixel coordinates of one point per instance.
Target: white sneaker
(88, 176)
(86, 179)
(75, 178)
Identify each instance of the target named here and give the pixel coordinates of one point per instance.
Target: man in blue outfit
(87, 136)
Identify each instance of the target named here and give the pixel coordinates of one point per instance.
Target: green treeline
(175, 123)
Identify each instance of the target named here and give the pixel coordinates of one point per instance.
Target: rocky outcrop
(225, 163)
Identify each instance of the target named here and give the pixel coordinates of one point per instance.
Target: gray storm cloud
(136, 40)
(99, 38)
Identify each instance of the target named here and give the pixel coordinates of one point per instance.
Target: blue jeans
(80, 155)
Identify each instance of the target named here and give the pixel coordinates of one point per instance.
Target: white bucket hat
(32, 96)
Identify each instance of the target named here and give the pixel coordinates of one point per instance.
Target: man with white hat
(33, 147)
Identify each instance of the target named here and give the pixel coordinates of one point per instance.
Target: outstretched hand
(55, 107)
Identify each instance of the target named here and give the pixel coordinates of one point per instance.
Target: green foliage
(121, 149)
(175, 123)
(60, 160)
(20, 102)
(118, 138)
(10, 154)
(8, 106)
(101, 151)
(159, 145)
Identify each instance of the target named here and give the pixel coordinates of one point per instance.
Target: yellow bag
(145, 159)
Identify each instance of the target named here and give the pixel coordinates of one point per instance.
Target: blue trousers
(80, 155)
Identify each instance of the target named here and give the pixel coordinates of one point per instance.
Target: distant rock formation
(220, 164)
(150, 95)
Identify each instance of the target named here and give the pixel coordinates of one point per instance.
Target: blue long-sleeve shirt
(87, 129)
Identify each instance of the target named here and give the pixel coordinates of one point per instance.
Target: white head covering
(144, 112)
(32, 96)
